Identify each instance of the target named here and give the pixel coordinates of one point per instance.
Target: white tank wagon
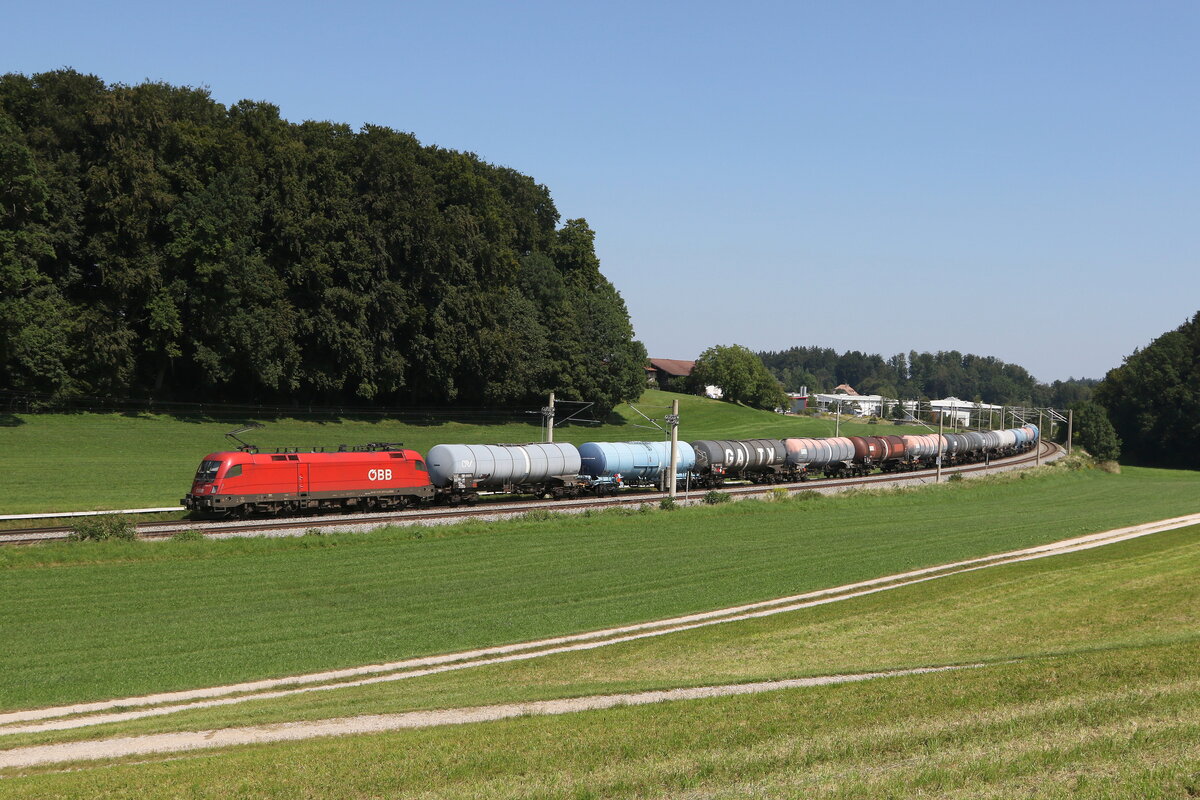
(829, 455)
(459, 471)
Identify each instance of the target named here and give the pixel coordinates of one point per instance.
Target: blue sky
(1014, 179)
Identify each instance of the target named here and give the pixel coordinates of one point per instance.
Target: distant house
(661, 370)
(851, 402)
(960, 411)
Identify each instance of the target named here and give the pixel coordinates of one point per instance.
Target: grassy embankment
(82, 462)
(93, 620)
(1091, 689)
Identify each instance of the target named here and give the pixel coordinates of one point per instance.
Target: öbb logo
(380, 475)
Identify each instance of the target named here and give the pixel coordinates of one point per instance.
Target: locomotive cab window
(420, 465)
(208, 471)
(234, 471)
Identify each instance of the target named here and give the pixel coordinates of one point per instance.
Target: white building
(864, 404)
(963, 412)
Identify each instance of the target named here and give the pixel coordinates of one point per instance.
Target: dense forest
(155, 243)
(921, 375)
(1153, 399)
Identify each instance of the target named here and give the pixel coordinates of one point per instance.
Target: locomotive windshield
(208, 471)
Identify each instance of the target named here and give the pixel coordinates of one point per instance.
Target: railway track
(508, 507)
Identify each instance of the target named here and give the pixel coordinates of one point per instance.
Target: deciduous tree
(741, 376)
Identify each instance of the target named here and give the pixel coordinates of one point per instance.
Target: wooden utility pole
(1070, 428)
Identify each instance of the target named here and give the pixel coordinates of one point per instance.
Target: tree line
(156, 243)
(914, 375)
(1153, 399)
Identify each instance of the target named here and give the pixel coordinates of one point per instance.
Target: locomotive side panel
(230, 481)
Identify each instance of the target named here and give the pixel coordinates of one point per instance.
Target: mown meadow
(1086, 687)
(95, 620)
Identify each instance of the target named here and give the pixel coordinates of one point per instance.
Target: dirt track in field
(380, 723)
(81, 715)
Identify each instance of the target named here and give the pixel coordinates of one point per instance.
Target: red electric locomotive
(244, 482)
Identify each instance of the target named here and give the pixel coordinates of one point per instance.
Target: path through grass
(1105, 701)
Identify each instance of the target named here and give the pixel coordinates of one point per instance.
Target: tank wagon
(382, 476)
(827, 456)
(459, 471)
(613, 465)
(755, 460)
(920, 450)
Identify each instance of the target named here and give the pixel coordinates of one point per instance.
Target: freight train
(383, 476)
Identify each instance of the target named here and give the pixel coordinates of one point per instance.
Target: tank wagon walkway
(82, 715)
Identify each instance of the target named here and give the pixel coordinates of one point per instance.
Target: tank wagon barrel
(869, 449)
(759, 460)
(637, 463)
(459, 470)
(832, 455)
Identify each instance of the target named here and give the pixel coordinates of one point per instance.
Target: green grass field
(1136, 594)
(83, 462)
(95, 620)
(1121, 724)
(1091, 690)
